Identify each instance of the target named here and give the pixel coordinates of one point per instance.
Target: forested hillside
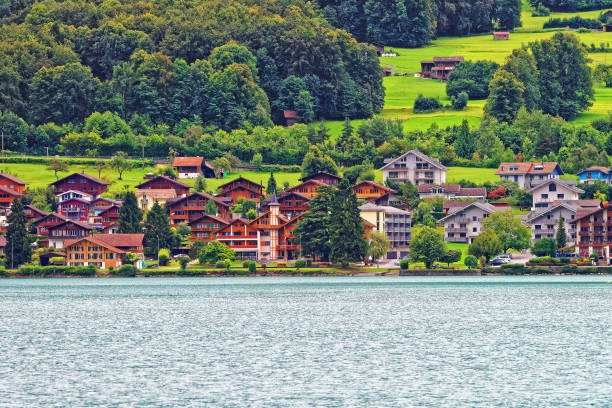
(413, 23)
(230, 64)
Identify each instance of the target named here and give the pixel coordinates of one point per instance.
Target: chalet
(68, 229)
(69, 195)
(544, 221)
(450, 191)
(501, 35)
(192, 167)
(388, 70)
(553, 190)
(390, 199)
(594, 226)
(147, 198)
(367, 190)
(291, 118)
(43, 224)
(308, 188)
(288, 244)
(439, 67)
(105, 217)
(75, 209)
(240, 236)
(103, 251)
(165, 183)
(595, 173)
(465, 224)
(7, 196)
(415, 167)
(292, 204)
(527, 175)
(32, 213)
(323, 177)
(12, 183)
(192, 207)
(80, 182)
(205, 227)
(241, 188)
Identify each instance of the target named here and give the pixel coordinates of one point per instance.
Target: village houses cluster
(84, 229)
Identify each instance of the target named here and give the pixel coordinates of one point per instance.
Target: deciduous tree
(427, 246)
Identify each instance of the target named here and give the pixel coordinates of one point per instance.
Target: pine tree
(130, 215)
(561, 234)
(271, 185)
(158, 233)
(347, 243)
(313, 228)
(465, 145)
(345, 135)
(200, 184)
(211, 208)
(18, 249)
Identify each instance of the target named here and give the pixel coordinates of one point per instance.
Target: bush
(309, 263)
(252, 267)
(583, 30)
(404, 264)
(163, 257)
(514, 269)
(574, 22)
(57, 270)
(300, 263)
(183, 261)
(423, 104)
(470, 261)
(125, 270)
(460, 101)
(223, 264)
(594, 257)
(541, 11)
(545, 247)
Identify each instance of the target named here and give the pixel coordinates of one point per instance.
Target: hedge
(124, 270)
(57, 270)
(69, 160)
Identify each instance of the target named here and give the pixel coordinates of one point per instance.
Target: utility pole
(3, 146)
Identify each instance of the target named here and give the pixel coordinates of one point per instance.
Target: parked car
(500, 260)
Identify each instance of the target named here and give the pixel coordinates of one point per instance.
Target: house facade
(241, 188)
(394, 222)
(242, 237)
(529, 174)
(415, 167)
(544, 222)
(69, 229)
(80, 182)
(370, 190)
(43, 224)
(553, 190)
(192, 167)
(12, 183)
(594, 228)
(450, 191)
(75, 209)
(205, 227)
(439, 67)
(192, 207)
(148, 197)
(102, 251)
(465, 223)
(165, 183)
(308, 188)
(594, 174)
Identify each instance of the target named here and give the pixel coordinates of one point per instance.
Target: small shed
(501, 35)
(380, 49)
(388, 70)
(291, 117)
(45, 258)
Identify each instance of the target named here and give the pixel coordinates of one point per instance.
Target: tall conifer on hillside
(18, 249)
(346, 231)
(130, 215)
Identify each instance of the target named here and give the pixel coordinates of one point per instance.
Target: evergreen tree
(271, 185)
(508, 13)
(18, 249)
(158, 233)
(561, 234)
(130, 215)
(211, 207)
(347, 243)
(200, 184)
(465, 145)
(345, 135)
(313, 228)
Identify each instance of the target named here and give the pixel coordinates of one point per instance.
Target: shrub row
(516, 269)
(574, 22)
(57, 270)
(69, 160)
(550, 260)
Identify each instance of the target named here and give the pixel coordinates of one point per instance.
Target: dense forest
(413, 23)
(168, 61)
(572, 5)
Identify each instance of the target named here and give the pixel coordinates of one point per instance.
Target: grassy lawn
(477, 175)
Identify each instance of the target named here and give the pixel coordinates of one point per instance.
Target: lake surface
(303, 342)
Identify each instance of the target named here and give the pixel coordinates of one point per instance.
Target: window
(552, 187)
(544, 196)
(560, 196)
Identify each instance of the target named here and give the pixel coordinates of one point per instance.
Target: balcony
(598, 223)
(598, 233)
(463, 240)
(464, 229)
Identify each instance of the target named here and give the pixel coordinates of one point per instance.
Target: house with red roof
(80, 182)
(7, 196)
(12, 183)
(501, 35)
(102, 250)
(193, 167)
(528, 174)
(450, 191)
(595, 173)
(367, 190)
(193, 206)
(205, 227)
(32, 213)
(165, 183)
(43, 224)
(68, 229)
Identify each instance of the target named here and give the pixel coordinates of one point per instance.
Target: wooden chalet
(80, 182)
(367, 190)
(12, 183)
(501, 35)
(75, 209)
(193, 206)
(240, 236)
(325, 178)
(308, 188)
(43, 224)
(241, 188)
(193, 167)
(32, 213)
(7, 196)
(68, 229)
(165, 183)
(439, 68)
(70, 194)
(102, 250)
(105, 217)
(292, 204)
(205, 227)
(102, 203)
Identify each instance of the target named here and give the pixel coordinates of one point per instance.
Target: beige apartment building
(465, 223)
(415, 167)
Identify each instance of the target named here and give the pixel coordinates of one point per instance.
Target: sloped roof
(35, 210)
(69, 221)
(605, 170)
(382, 208)
(53, 214)
(201, 195)
(533, 215)
(455, 189)
(434, 162)
(10, 191)
(569, 184)
(448, 59)
(214, 217)
(85, 175)
(13, 179)
(240, 178)
(93, 239)
(187, 162)
(479, 203)
(375, 184)
(121, 240)
(592, 203)
(528, 168)
(306, 178)
(582, 213)
(156, 193)
(163, 178)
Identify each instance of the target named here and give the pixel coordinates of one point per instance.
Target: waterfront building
(68, 229)
(594, 226)
(394, 222)
(554, 190)
(465, 223)
(102, 250)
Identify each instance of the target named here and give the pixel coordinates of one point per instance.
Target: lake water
(303, 342)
